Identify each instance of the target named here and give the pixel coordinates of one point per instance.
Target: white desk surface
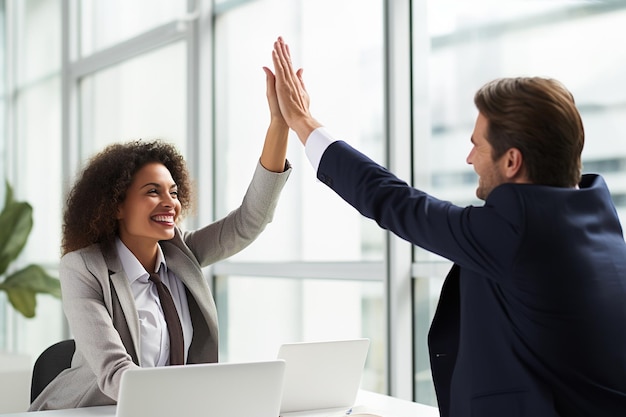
(367, 401)
(108, 411)
(394, 407)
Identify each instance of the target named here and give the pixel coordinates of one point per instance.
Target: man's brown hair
(537, 116)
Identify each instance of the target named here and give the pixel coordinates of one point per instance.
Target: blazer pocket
(509, 403)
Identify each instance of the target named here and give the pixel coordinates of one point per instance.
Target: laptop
(322, 375)
(207, 390)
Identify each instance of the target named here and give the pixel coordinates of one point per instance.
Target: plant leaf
(16, 222)
(8, 197)
(22, 286)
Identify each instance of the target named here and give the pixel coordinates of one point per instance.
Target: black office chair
(49, 364)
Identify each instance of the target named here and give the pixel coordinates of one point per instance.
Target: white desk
(381, 404)
(108, 411)
(394, 407)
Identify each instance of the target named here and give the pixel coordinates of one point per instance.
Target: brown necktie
(174, 329)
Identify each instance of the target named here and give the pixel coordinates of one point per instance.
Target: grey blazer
(101, 312)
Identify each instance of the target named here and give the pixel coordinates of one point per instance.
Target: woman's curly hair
(91, 209)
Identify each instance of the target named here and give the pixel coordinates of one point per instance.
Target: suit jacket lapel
(120, 284)
(443, 338)
(191, 275)
(186, 269)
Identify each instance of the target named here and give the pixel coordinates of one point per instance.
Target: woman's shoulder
(86, 255)
(86, 251)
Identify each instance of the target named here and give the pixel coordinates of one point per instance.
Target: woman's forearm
(275, 146)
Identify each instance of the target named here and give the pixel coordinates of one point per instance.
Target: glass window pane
(38, 178)
(578, 43)
(487, 41)
(144, 98)
(38, 36)
(349, 99)
(258, 314)
(3, 99)
(106, 22)
(38, 181)
(426, 289)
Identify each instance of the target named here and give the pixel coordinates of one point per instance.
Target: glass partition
(344, 73)
(578, 43)
(469, 44)
(142, 98)
(258, 314)
(34, 156)
(104, 23)
(343, 70)
(38, 37)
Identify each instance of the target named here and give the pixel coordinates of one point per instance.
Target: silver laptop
(322, 375)
(207, 390)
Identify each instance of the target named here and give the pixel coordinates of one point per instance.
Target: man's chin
(480, 194)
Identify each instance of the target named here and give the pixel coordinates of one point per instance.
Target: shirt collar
(131, 265)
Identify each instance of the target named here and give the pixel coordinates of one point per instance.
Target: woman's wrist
(279, 123)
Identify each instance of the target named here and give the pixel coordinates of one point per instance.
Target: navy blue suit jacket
(532, 317)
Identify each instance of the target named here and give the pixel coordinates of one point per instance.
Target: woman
(120, 233)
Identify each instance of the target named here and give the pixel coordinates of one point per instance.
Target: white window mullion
(157, 37)
(399, 252)
(357, 271)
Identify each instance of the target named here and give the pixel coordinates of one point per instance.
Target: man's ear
(513, 165)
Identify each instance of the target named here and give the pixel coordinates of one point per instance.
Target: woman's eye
(174, 194)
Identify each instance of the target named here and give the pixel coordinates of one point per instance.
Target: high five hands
(293, 98)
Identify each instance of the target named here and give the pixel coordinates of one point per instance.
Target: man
(532, 317)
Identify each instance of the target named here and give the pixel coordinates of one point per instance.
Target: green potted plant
(22, 286)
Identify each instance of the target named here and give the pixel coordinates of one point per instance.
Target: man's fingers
(299, 75)
(292, 83)
(284, 61)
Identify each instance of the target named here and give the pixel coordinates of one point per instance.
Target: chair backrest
(49, 364)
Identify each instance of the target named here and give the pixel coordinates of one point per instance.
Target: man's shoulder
(592, 181)
(522, 198)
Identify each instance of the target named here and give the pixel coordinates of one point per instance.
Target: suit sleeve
(481, 238)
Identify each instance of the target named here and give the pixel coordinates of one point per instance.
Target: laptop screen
(322, 375)
(224, 390)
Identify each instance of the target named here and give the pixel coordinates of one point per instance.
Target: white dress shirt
(154, 344)
(316, 145)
